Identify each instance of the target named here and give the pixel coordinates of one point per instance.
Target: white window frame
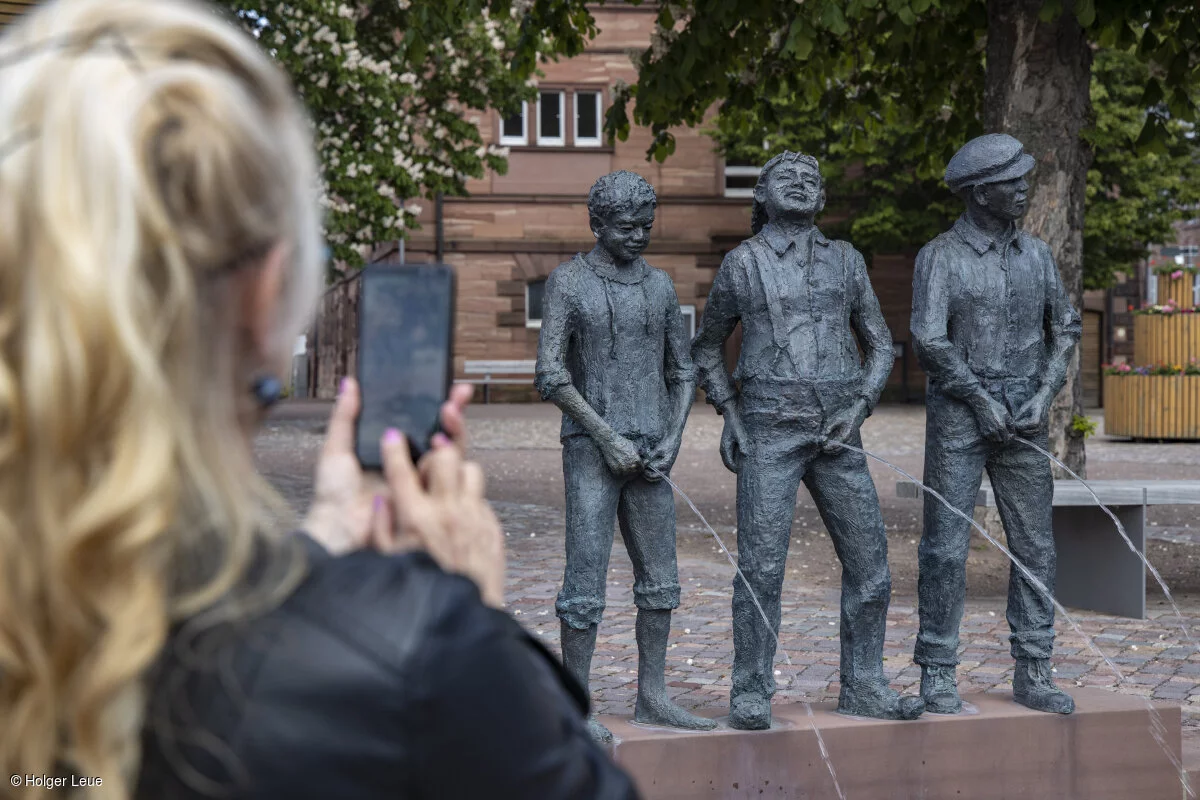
(561, 139)
(1151, 286)
(740, 172)
(533, 323)
(588, 141)
(523, 139)
(1190, 255)
(689, 320)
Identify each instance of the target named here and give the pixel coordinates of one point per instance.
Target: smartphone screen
(405, 354)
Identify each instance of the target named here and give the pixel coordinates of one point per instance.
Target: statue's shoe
(939, 689)
(599, 733)
(878, 701)
(1033, 687)
(750, 712)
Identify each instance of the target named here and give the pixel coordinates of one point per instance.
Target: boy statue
(995, 332)
(806, 307)
(613, 355)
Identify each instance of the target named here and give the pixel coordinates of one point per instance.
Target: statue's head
(790, 185)
(621, 212)
(988, 173)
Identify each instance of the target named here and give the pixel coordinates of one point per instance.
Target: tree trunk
(1039, 91)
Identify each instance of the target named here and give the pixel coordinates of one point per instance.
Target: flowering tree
(397, 91)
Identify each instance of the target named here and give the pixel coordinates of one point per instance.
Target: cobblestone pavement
(518, 446)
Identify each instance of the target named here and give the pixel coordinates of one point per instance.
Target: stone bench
(1096, 569)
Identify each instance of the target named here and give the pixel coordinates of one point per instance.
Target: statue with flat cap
(995, 332)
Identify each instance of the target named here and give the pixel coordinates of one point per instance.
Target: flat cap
(994, 158)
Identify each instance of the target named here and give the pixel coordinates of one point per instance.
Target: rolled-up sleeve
(930, 328)
(718, 321)
(551, 373)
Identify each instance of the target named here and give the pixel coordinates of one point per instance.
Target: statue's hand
(733, 440)
(1031, 417)
(844, 425)
(621, 456)
(995, 423)
(662, 457)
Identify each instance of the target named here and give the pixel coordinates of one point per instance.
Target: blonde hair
(150, 153)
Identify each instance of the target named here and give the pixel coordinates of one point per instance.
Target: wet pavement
(518, 447)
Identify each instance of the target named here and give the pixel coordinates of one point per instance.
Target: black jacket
(379, 677)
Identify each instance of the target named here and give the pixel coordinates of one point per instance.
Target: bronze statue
(613, 355)
(805, 305)
(995, 332)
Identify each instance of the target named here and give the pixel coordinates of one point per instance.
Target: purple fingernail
(342, 386)
(391, 436)
(440, 440)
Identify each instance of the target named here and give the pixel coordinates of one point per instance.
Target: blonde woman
(159, 252)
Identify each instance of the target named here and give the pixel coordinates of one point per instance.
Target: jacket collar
(981, 242)
(779, 241)
(599, 262)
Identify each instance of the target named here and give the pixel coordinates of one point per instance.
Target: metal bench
(1096, 569)
(490, 368)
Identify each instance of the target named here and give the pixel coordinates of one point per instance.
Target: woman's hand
(343, 507)
(349, 508)
(440, 507)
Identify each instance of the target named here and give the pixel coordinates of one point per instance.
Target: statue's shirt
(805, 305)
(987, 311)
(617, 335)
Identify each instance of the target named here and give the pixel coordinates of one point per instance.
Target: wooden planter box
(1165, 339)
(1152, 406)
(1179, 290)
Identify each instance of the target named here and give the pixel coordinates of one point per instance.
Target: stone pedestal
(1105, 751)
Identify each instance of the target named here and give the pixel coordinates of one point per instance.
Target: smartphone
(405, 354)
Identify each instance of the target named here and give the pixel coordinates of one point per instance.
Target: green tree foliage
(397, 89)
(1134, 195)
(884, 170)
(746, 53)
(884, 92)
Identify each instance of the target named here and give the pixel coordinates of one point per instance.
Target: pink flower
(1124, 368)
(1177, 274)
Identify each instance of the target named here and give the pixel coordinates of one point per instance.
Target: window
(534, 292)
(1189, 256)
(515, 129)
(587, 119)
(1151, 286)
(689, 320)
(550, 120)
(740, 178)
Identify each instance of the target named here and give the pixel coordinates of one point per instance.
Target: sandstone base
(1105, 750)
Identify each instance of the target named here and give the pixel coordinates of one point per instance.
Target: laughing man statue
(995, 332)
(613, 355)
(806, 306)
